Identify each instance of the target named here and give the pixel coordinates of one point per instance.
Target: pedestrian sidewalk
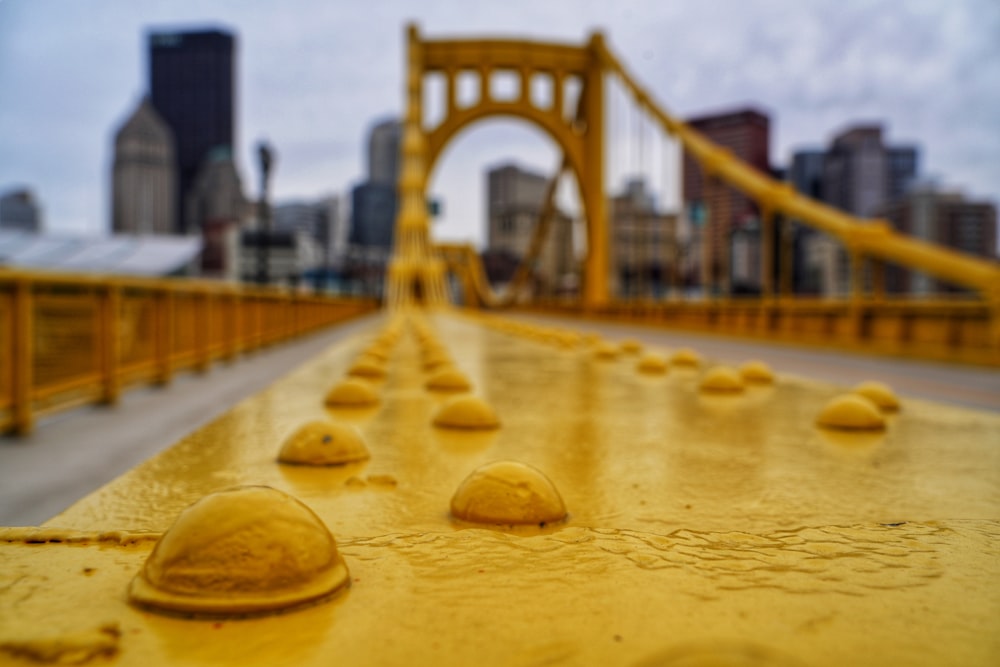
(71, 454)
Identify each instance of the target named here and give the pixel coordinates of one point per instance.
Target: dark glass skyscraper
(192, 86)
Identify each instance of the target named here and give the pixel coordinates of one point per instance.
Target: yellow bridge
(463, 487)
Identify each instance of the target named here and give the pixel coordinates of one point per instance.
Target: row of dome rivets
(863, 409)
(354, 391)
(458, 412)
(254, 549)
(860, 410)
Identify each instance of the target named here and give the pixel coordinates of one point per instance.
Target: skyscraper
(383, 152)
(374, 201)
(746, 133)
(144, 178)
(20, 211)
(192, 86)
(859, 174)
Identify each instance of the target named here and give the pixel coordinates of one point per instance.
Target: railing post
(202, 322)
(164, 336)
(23, 357)
(993, 299)
(110, 341)
(233, 326)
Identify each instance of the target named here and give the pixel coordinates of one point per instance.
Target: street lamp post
(266, 157)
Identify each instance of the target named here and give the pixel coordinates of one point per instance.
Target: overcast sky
(314, 74)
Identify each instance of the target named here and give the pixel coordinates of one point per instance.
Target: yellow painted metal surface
(699, 526)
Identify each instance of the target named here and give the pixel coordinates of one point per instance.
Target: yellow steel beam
(702, 528)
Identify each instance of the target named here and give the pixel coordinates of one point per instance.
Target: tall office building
(383, 152)
(858, 174)
(861, 173)
(144, 176)
(192, 86)
(514, 201)
(374, 202)
(718, 208)
(20, 211)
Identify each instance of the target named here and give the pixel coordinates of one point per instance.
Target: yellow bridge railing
(72, 339)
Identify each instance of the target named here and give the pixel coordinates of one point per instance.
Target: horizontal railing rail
(67, 340)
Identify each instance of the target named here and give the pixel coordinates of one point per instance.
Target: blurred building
(858, 174)
(942, 217)
(290, 254)
(217, 209)
(373, 214)
(720, 208)
(515, 198)
(643, 243)
(806, 176)
(20, 211)
(192, 86)
(144, 175)
(321, 220)
(383, 152)
(374, 201)
(861, 173)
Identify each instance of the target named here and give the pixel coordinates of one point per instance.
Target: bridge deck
(697, 525)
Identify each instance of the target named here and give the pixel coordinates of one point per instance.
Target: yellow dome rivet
(652, 363)
(449, 379)
(757, 372)
(878, 393)
(324, 443)
(466, 412)
(630, 346)
(685, 357)
(722, 379)
(245, 550)
(367, 368)
(508, 493)
(851, 412)
(351, 392)
(606, 350)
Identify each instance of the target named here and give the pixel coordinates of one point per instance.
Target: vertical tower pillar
(595, 285)
(416, 277)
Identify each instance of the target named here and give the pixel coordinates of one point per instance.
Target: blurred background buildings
(174, 175)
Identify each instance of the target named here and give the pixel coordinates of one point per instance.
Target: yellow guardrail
(72, 339)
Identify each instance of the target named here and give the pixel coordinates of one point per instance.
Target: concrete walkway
(73, 453)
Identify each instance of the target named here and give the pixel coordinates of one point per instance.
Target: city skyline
(923, 70)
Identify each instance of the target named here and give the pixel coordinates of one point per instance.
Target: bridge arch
(565, 136)
(414, 273)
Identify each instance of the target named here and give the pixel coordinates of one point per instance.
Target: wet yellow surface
(700, 526)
